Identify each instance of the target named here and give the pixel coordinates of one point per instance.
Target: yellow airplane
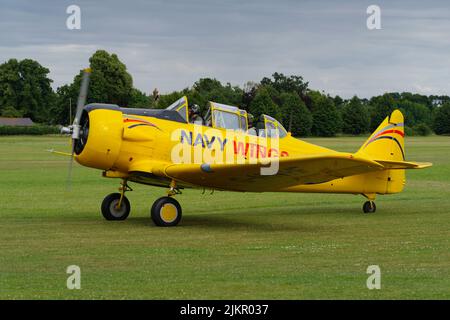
(162, 148)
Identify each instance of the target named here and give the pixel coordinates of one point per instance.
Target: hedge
(28, 130)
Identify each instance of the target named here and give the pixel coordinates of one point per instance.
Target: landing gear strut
(166, 211)
(116, 206)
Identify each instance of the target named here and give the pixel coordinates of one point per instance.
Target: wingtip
(423, 165)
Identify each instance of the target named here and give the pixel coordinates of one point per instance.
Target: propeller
(74, 129)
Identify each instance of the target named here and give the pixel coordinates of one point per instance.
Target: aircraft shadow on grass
(236, 223)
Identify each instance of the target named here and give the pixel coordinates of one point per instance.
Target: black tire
(369, 207)
(109, 210)
(172, 215)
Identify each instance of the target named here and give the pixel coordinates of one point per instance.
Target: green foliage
(338, 102)
(66, 99)
(110, 81)
(282, 83)
(24, 86)
(441, 123)
(166, 100)
(326, 118)
(28, 130)
(263, 104)
(382, 106)
(295, 116)
(11, 112)
(140, 100)
(408, 131)
(25, 91)
(414, 113)
(421, 129)
(355, 117)
(207, 89)
(416, 98)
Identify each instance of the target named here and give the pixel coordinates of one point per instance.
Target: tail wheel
(166, 212)
(111, 209)
(369, 207)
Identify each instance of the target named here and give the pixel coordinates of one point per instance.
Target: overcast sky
(171, 44)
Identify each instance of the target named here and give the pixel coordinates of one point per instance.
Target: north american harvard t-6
(162, 147)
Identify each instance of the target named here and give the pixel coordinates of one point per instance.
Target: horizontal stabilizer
(390, 164)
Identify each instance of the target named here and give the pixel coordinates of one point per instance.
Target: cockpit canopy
(226, 117)
(272, 128)
(230, 117)
(180, 106)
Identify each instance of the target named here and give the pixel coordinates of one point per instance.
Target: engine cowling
(101, 129)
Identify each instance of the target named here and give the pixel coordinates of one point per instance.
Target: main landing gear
(369, 206)
(165, 212)
(116, 206)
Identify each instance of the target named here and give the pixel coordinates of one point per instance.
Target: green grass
(228, 245)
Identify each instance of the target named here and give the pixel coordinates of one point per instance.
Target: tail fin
(387, 141)
(387, 147)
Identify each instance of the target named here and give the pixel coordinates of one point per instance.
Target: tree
(441, 123)
(382, 106)
(338, 102)
(66, 97)
(11, 112)
(415, 113)
(110, 81)
(326, 118)
(166, 100)
(248, 94)
(421, 129)
(25, 87)
(355, 117)
(282, 83)
(296, 117)
(208, 89)
(139, 99)
(263, 104)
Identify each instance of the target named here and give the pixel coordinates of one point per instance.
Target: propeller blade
(75, 128)
(81, 102)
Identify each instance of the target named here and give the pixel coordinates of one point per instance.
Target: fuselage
(138, 147)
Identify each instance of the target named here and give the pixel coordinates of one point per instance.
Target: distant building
(16, 122)
(437, 102)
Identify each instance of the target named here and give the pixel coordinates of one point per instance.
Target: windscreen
(226, 120)
(180, 106)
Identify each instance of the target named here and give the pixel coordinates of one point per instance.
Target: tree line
(25, 91)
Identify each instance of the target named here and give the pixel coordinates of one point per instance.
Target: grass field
(228, 245)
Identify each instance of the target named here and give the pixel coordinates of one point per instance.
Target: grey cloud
(170, 44)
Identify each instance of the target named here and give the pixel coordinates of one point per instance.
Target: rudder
(387, 143)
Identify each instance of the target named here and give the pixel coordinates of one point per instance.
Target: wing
(310, 169)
